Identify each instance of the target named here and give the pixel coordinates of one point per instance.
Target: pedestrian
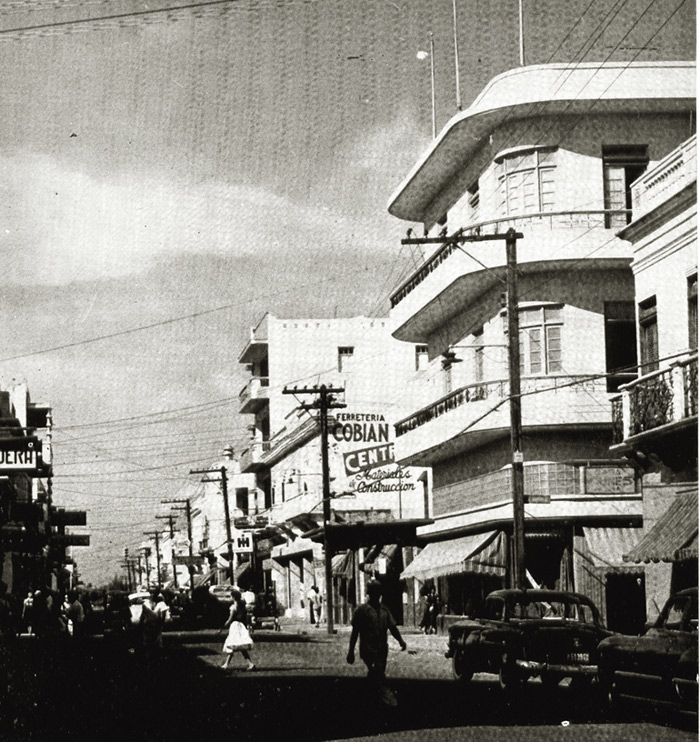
(249, 599)
(75, 616)
(162, 610)
(27, 605)
(370, 623)
(317, 600)
(238, 638)
(311, 600)
(151, 623)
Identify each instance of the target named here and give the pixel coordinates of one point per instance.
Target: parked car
(224, 593)
(661, 665)
(528, 633)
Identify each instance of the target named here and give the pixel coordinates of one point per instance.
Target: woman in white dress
(238, 638)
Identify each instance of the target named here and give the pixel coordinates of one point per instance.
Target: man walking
(370, 623)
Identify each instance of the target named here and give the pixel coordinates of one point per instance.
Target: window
(620, 343)
(648, 336)
(622, 165)
(242, 499)
(479, 354)
(540, 340)
(421, 357)
(693, 312)
(345, 354)
(526, 181)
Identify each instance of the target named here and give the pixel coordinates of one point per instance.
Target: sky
(167, 177)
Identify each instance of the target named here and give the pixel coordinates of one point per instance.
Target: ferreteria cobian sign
(20, 454)
(364, 440)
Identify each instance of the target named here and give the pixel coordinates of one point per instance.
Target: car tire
(508, 677)
(461, 669)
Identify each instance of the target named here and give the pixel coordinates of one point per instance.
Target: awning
(674, 537)
(376, 553)
(481, 553)
(239, 571)
(342, 565)
(354, 535)
(606, 547)
(292, 550)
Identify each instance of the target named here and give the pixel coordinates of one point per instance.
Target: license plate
(579, 657)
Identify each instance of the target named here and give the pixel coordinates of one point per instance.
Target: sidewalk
(412, 635)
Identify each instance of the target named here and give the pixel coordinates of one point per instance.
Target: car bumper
(550, 668)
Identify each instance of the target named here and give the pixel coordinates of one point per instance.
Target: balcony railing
(541, 479)
(654, 400)
(255, 391)
(673, 173)
(253, 456)
(547, 219)
(499, 389)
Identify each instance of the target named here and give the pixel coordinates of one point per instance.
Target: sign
(243, 543)
(187, 561)
(20, 454)
(368, 458)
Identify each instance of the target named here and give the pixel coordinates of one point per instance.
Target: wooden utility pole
(188, 514)
(324, 402)
(171, 522)
(227, 513)
(511, 236)
(156, 536)
(518, 484)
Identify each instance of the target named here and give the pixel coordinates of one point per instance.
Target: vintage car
(661, 665)
(528, 633)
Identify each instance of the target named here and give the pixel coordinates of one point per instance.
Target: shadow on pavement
(61, 692)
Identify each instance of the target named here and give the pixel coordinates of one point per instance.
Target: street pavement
(302, 688)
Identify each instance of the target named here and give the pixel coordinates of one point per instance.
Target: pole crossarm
(461, 236)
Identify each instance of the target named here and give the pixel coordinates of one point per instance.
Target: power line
(116, 17)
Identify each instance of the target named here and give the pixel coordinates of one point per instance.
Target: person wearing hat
(371, 622)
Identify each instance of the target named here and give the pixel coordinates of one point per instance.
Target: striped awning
(386, 552)
(606, 547)
(342, 565)
(480, 553)
(674, 537)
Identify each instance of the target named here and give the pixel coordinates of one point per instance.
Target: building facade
(550, 152)
(36, 548)
(289, 359)
(656, 415)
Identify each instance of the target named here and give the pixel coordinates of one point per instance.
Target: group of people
(45, 614)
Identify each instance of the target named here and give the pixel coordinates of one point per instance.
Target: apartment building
(655, 418)
(375, 504)
(549, 151)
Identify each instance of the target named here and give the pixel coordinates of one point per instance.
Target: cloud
(60, 225)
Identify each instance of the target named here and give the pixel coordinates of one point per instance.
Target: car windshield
(682, 614)
(554, 609)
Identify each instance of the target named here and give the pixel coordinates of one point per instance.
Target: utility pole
(227, 513)
(156, 536)
(324, 402)
(171, 521)
(518, 488)
(188, 514)
(518, 483)
(146, 554)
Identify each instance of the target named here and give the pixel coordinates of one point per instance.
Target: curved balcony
(551, 241)
(254, 394)
(478, 413)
